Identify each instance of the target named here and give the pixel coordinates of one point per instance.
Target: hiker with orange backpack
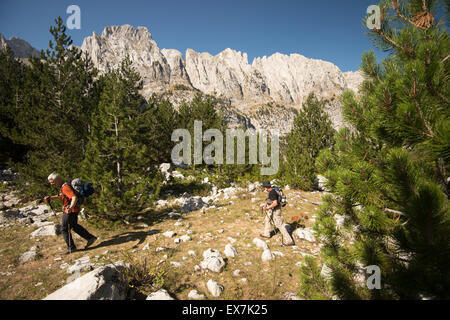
(71, 208)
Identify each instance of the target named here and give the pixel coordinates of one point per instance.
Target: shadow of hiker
(126, 237)
(291, 227)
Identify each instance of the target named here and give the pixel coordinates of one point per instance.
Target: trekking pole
(51, 207)
(70, 244)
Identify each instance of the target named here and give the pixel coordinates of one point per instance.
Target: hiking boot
(69, 251)
(90, 241)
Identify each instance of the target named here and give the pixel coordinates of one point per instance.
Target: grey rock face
(190, 204)
(10, 216)
(326, 272)
(177, 65)
(104, 283)
(280, 79)
(7, 174)
(353, 79)
(320, 185)
(116, 42)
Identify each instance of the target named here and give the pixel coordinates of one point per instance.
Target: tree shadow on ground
(178, 187)
(153, 216)
(126, 237)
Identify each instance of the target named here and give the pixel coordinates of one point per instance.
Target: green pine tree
(118, 158)
(160, 119)
(12, 78)
(311, 132)
(389, 176)
(53, 111)
(202, 108)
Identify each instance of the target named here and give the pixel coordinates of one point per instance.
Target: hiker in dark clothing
(273, 213)
(70, 213)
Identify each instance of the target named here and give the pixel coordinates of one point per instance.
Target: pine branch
(399, 14)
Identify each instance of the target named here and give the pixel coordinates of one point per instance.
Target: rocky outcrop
(103, 283)
(109, 49)
(3, 42)
(227, 74)
(178, 73)
(20, 47)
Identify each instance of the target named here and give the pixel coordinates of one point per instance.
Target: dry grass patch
(240, 220)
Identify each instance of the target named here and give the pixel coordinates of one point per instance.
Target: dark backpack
(81, 189)
(281, 196)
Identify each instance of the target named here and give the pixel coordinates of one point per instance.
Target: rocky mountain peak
(20, 47)
(117, 42)
(138, 33)
(278, 79)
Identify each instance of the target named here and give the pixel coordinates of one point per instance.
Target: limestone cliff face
(353, 79)
(284, 80)
(116, 42)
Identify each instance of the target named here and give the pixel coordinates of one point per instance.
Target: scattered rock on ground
(193, 294)
(80, 265)
(230, 251)
(214, 288)
(103, 283)
(169, 234)
(212, 260)
(290, 296)
(305, 234)
(260, 243)
(46, 231)
(29, 255)
(185, 238)
(267, 255)
(161, 294)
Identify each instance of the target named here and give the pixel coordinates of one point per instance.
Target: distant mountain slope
(20, 47)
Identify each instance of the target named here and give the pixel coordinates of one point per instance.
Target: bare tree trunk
(118, 160)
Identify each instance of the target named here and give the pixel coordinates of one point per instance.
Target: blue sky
(321, 29)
